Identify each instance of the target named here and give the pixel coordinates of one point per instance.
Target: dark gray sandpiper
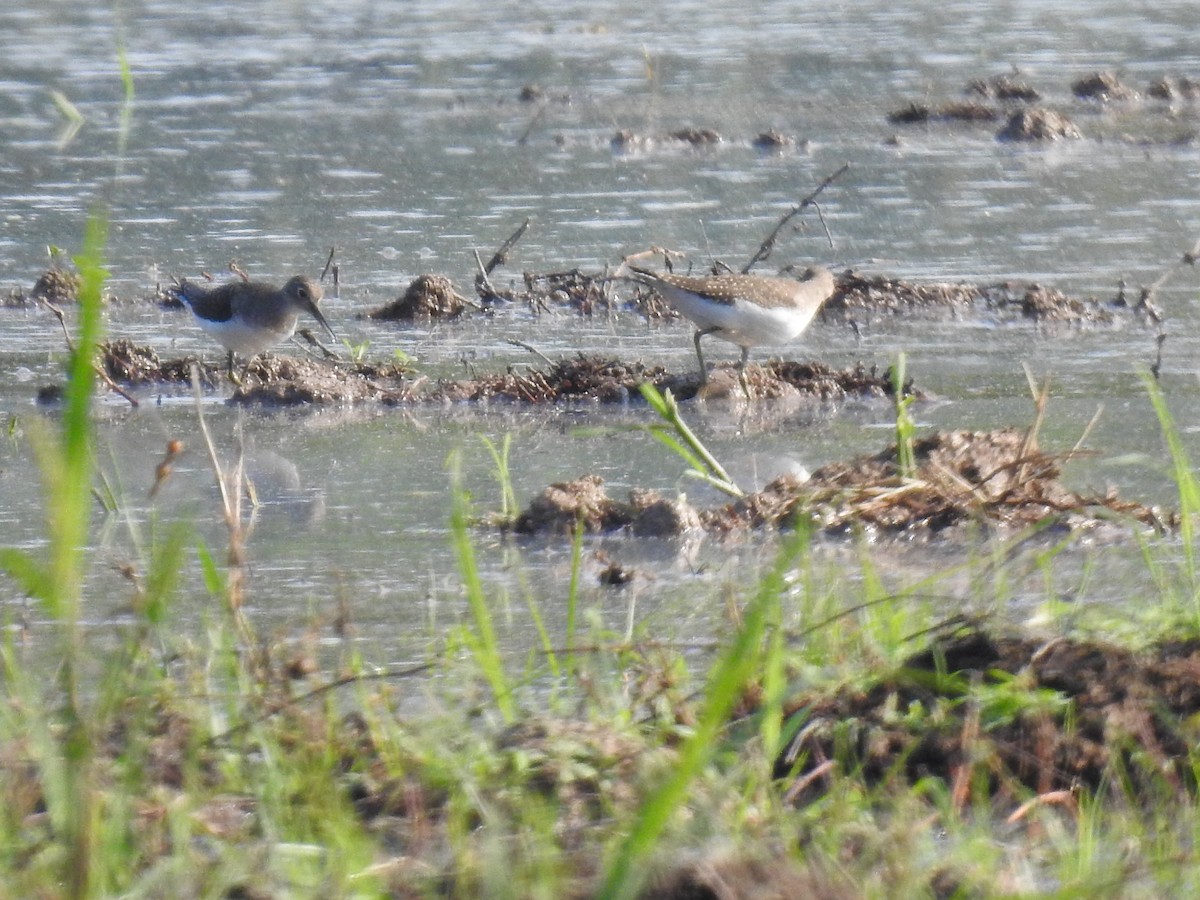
(249, 317)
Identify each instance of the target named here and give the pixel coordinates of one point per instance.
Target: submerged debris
(1097, 717)
(961, 479)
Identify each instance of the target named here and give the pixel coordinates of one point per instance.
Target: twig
(62, 321)
(500, 257)
(107, 379)
(1157, 367)
(534, 350)
(100, 373)
(537, 117)
(768, 245)
(328, 263)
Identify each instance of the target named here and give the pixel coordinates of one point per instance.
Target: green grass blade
(483, 643)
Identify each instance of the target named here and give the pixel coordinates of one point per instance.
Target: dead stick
(534, 350)
(328, 263)
(62, 321)
(768, 245)
(500, 257)
(532, 125)
(104, 376)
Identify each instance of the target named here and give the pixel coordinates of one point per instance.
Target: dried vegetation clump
(963, 479)
(857, 294)
(427, 296)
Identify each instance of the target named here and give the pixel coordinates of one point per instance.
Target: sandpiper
(249, 317)
(746, 310)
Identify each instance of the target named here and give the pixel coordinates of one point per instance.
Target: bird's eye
(302, 293)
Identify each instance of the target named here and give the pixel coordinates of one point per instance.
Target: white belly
(741, 322)
(240, 338)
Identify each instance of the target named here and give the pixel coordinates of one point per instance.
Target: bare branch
(768, 245)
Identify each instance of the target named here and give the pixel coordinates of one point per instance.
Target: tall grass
(737, 665)
(65, 461)
(1187, 488)
(482, 638)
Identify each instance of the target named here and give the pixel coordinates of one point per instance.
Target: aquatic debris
(963, 480)
(1104, 87)
(57, 285)
(136, 364)
(1003, 87)
(292, 381)
(427, 296)
(1181, 88)
(697, 137)
(880, 294)
(280, 380)
(562, 507)
(1038, 124)
(954, 111)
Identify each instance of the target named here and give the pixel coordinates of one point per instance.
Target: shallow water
(391, 132)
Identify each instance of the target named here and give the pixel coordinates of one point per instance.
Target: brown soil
(962, 480)
(1080, 715)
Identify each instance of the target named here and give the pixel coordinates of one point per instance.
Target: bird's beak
(316, 311)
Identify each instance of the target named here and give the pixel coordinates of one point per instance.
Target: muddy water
(393, 132)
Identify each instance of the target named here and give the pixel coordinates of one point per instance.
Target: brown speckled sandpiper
(747, 310)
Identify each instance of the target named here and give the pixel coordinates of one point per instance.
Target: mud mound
(428, 296)
(135, 364)
(1038, 124)
(286, 381)
(961, 478)
(880, 295)
(1076, 714)
(560, 507)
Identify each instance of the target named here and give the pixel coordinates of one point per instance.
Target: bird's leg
(229, 368)
(742, 372)
(701, 332)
